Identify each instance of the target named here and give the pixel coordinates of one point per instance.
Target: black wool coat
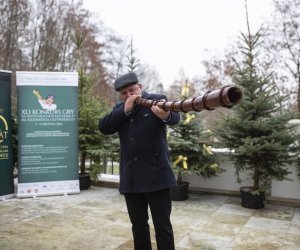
(144, 159)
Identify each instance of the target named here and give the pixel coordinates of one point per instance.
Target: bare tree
(114, 53)
(43, 35)
(14, 16)
(53, 26)
(218, 71)
(282, 41)
(149, 77)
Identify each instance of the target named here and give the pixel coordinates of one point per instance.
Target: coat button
(131, 120)
(131, 139)
(135, 158)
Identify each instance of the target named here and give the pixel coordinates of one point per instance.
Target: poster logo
(47, 103)
(3, 133)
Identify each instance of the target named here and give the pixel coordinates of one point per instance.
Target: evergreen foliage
(190, 146)
(257, 132)
(133, 62)
(190, 149)
(90, 109)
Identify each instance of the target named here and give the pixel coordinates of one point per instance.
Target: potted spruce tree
(190, 151)
(90, 109)
(257, 132)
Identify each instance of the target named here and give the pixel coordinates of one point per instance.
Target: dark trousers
(160, 207)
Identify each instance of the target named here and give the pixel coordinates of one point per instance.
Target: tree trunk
(82, 163)
(298, 78)
(256, 179)
(179, 178)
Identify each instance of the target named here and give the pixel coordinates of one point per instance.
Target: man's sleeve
(110, 123)
(173, 118)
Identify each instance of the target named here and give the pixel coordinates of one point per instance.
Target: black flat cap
(124, 80)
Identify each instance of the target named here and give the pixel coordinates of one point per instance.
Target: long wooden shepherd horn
(227, 97)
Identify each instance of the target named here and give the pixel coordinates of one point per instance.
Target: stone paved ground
(97, 219)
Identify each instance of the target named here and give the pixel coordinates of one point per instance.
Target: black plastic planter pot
(180, 192)
(84, 181)
(250, 200)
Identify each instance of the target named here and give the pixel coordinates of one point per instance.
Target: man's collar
(145, 95)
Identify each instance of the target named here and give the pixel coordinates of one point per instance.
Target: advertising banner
(6, 165)
(48, 133)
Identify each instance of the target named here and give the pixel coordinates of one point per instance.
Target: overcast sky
(170, 35)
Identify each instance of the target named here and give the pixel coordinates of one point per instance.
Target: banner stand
(6, 163)
(5, 197)
(47, 133)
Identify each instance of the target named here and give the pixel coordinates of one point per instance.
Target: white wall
(286, 188)
(227, 181)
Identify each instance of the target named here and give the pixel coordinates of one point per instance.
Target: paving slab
(97, 219)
